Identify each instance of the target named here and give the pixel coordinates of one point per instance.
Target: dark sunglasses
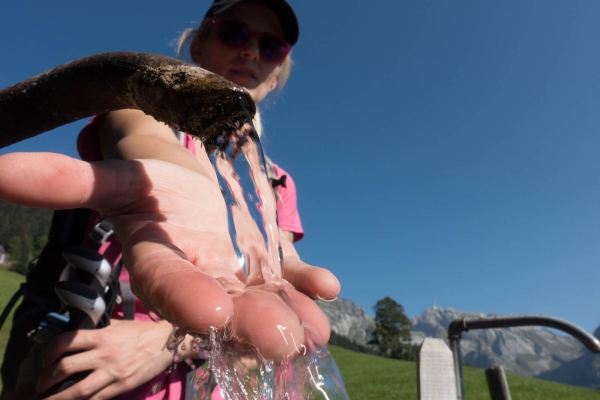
(235, 34)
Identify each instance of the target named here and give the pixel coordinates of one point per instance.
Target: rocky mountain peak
(348, 319)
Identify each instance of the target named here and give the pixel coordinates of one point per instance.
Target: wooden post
(497, 384)
(435, 371)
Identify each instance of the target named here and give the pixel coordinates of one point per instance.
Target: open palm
(172, 224)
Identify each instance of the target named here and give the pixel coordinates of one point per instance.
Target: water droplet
(204, 354)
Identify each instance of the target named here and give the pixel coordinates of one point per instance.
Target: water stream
(309, 372)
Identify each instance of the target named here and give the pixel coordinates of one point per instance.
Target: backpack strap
(11, 303)
(118, 292)
(128, 301)
(101, 232)
(179, 135)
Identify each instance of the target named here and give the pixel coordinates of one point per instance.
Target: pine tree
(392, 330)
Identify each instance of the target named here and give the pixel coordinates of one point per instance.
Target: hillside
(583, 371)
(348, 319)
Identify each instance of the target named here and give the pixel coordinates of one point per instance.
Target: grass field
(9, 283)
(370, 377)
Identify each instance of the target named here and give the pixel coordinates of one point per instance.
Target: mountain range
(528, 351)
(582, 371)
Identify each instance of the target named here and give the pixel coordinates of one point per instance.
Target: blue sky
(445, 152)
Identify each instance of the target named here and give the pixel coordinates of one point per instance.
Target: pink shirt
(288, 216)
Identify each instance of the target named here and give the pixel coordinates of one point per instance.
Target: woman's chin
(245, 81)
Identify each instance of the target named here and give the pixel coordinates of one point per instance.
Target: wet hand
(172, 223)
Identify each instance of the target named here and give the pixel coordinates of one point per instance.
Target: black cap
(281, 8)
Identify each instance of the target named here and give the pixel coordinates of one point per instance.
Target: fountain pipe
(460, 325)
(179, 94)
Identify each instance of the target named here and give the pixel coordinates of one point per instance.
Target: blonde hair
(257, 122)
(185, 40)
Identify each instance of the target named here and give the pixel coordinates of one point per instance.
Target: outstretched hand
(172, 223)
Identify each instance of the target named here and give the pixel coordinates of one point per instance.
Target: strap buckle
(102, 231)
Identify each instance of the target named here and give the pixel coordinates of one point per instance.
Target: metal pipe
(463, 325)
(460, 325)
(183, 96)
(454, 344)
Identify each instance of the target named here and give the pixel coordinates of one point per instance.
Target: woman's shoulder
(88, 143)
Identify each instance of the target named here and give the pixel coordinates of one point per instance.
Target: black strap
(11, 303)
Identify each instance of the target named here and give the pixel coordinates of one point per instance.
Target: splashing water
(242, 374)
(237, 368)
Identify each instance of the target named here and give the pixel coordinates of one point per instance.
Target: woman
(187, 275)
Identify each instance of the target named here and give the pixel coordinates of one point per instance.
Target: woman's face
(242, 65)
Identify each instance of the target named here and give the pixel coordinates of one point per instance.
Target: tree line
(23, 233)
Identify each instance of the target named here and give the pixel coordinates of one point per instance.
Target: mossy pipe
(179, 94)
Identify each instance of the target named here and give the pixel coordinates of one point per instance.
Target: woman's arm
(288, 235)
(133, 135)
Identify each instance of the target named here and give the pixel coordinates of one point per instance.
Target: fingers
(279, 324)
(124, 355)
(66, 367)
(35, 179)
(56, 181)
(68, 342)
(315, 282)
(264, 319)
(97, 385)
(317, 324)
(177, 290)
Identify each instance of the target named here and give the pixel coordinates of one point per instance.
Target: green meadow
(371, 377)
(9, 283)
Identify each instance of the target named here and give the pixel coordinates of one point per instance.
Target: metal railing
(460, 325)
